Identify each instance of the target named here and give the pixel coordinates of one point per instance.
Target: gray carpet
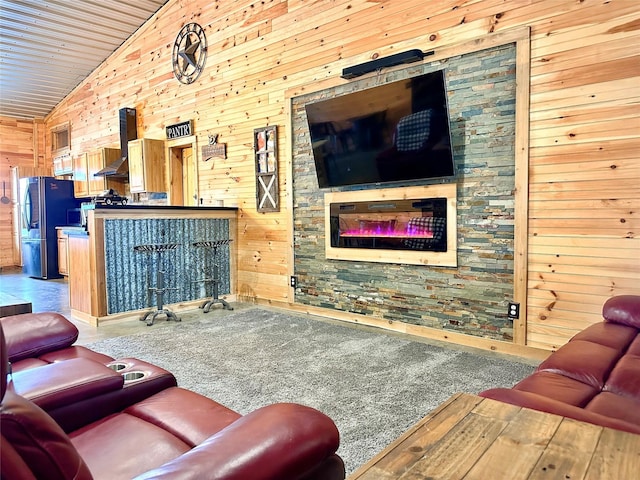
(372, 384)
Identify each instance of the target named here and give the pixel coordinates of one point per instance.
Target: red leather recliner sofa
(595, 377)
(73, 384)
(172, 434)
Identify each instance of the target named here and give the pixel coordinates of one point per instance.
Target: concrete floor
(53, 296)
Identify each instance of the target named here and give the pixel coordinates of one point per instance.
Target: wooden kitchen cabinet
(146, 166)
(80, 185)
(82, 286)
(63, 258)
(63, 164)
(87, 165)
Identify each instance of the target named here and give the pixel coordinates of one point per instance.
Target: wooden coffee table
(469, 437)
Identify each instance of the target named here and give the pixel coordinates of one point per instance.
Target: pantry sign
(178, 130)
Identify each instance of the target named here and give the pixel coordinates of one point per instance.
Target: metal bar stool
(212, 246)
(159, 288)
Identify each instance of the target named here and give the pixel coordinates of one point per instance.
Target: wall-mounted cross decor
(265, 146)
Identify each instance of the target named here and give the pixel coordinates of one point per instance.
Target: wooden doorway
(183, 185)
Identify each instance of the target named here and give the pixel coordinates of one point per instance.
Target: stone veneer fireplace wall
(470, 298)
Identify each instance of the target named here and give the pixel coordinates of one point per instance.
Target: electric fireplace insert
(416, 224)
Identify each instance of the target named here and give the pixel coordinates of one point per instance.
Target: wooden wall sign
(177, 130)
(214, 149)
(266, 160)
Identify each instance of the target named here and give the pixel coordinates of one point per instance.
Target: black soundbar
(409, 56)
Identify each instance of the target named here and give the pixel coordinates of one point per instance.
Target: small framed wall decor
(265, 144)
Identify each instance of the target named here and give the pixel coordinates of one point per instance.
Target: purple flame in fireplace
(387, 229)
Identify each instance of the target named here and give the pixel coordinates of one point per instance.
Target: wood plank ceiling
(47, 47)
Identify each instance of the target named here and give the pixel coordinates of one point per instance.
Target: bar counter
(109, 279)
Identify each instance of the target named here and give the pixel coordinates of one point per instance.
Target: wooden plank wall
(584, 172)
(21, 145)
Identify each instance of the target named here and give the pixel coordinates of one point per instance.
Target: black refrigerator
(45, 205)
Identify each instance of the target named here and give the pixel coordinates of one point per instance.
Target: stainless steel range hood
(119, 168)
(128, 131)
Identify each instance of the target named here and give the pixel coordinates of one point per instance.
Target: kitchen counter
(130, 206)
(109, 279)
(73, 230)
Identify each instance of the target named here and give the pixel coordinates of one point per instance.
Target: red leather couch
(73, 384)
(595, 377)
(173, 434)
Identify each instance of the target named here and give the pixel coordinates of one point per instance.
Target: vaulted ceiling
(47, 47)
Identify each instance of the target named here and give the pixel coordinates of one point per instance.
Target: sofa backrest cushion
(623, 309)
(32, 334)
(612, 335)
(586, 362)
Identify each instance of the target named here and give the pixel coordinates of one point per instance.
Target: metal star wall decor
(189, 53)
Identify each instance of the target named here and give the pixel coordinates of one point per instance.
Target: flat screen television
(397, 132)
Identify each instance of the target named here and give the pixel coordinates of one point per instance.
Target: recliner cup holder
(117, 366)
(133, 376)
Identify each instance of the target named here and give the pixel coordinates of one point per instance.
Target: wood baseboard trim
(417, 331)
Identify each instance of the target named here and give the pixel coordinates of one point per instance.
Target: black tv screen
(395, 132)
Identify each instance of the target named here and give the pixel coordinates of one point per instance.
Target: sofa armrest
(623, 309)
(277, 441)
(32, 334)
(65, 383)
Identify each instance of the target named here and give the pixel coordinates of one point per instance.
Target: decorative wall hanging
(189, 53)
(266, 160)
(214, 149)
